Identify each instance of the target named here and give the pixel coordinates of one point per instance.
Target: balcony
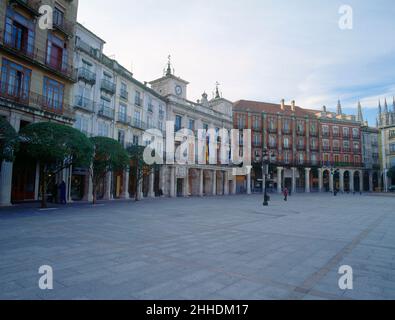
(355, 137)
(150, 107)
(106, 112)
(346, 149)
(356, 150)
(124, 94)
(33, 55)
(124, 119)
(346, 136)
(32, 6)
(137, 123)
(62, 25)
(301, 133)
(108, 86)
(326, 148)
(287, 131)
(314, 148)
(326, 135)
(336, 149)
(84, 103)
(336, 135)
(313, 134)
(287, 147)
(24, 98)
(301, 147)
(256, 128)
(272, 130)
(273, 146)
(87, 76)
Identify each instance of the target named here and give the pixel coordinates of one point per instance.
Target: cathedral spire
(339, 108)
(360, 114)
(385, 106)
(380, 110)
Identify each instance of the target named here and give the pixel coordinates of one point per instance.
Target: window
(124, 90)
(392, 147)
(191, 124)
(135, 140)
(150, 123)
(356, 146)
(272, 124)
(314, 159)
(346, 132)
(300, 126)
(347, 159)
(355, 132)
(53, 93)
(15, 81)
(287, 126)
(257, 140)
(161, 111)
(160, 125)
(19, 32)
(336, 158)
(58, 17)
(256, 122)
(57, 55)
(301, 158)
(137, 118)
(336, 131)
(286, 143)
(81, 123)
(121, 137)
(103, 129)
(325, 131)
(137, 99)
(150, 105)
(272, 141)
(178, 123)
(241, 121)
(123, 112)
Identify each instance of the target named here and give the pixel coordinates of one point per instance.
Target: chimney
(282, 104)
(293, 107)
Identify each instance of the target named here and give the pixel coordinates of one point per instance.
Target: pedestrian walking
(62, 189)
(286, 194)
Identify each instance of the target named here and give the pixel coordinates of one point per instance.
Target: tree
(109, 155)
(136, 154)
(55, 147)
(9, 141)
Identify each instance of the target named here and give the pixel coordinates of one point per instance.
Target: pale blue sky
(262, 50)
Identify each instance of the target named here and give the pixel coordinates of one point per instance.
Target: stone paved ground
(213, 248)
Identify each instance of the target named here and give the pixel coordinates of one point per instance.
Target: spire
(360, 114)
(385, 106)
(339, 108)
(380, 110)
(168, 71)
(217, 95)
(393, 104)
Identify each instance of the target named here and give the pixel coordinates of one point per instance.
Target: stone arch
(347, 180)
(326, 180)
(357, 181)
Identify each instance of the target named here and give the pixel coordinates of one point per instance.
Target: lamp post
(266, 160)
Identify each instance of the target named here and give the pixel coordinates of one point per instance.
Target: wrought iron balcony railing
(87, 76)
(106, 112)
(108, 86)
(84, 103)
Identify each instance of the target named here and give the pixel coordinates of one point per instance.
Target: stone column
(234, 185)
(162, 179)
(321, 180)
(37, 183)
(371, 181)
(226, 183)
(331, 182)
(5, 183)
(185, 191)
(352, 187)
(140, 195)
(385, 178)
(307, 180)
(125, 189)
(341, 177)
(172, 182)
(380, 182)
(151, 184)
(249, 182)
(88, 191)
(293, 180)
(214, 183)
(201, 183)
(107, 192)
(279, 180)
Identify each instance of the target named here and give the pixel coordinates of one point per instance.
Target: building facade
(37, 77)
(110, 102)
(191, 178)
(386, 125)
(311, 150)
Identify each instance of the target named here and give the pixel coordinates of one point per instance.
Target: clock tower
(169, 84)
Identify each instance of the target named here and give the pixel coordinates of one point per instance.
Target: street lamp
(266, 160)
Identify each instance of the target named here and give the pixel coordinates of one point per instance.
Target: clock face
(178, 90)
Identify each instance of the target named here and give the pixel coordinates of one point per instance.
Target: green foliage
(9, 141)
(109, 156)
(57, 146)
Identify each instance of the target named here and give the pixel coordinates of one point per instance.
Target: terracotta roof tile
(255, 106)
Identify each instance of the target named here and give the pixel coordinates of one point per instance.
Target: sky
(263, 50)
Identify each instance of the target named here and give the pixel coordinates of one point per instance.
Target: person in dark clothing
(286, 194)
(54, 193)
(62, 189)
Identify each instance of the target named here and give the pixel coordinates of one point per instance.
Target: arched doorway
(366, 183)
(375, 182)
(357, 179)
(347, 180)
(314, 180)
(336, 180)
(326, 180)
